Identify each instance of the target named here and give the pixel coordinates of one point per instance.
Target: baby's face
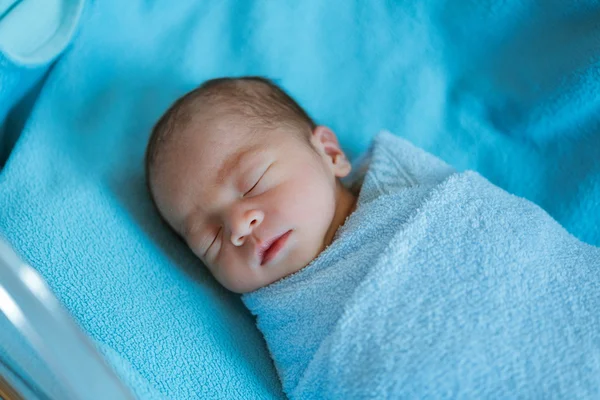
(253, 206)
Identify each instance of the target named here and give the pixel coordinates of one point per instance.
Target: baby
(432, 283)
(240, 171)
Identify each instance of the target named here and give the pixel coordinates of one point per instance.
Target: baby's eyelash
(252, 188)
(213, 242)
(258, 181)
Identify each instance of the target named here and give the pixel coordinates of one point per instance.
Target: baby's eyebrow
(231, 163)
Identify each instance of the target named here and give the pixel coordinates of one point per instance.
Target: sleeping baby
(399, 278)
(248, 180)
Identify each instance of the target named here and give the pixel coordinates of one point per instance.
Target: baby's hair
(259, 101)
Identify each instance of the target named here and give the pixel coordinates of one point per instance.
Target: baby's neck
(345, 205)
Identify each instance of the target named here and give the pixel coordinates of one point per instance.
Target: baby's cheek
(300, 193)
(195, 250)
(193, 243)
(234, 274)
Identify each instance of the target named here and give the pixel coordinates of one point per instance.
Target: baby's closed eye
(213, 240)
(252, 188)
(257, 181)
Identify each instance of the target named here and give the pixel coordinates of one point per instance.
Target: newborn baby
(248, 180)
(432, 283)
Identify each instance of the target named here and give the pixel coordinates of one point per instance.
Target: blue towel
(475, 83)
(439, 285)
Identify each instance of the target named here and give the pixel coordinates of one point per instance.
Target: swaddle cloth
(439, 285)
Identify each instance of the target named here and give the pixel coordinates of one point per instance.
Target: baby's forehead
(208, 136)
(212, 149)
(212, 155)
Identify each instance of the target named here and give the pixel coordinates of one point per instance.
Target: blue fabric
(505, 88)
(439, 285)
(15, 81)
(32, 36)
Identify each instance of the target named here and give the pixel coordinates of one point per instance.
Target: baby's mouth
(272, 247)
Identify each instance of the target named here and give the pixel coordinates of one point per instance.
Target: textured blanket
(439, 285)
(508, 88)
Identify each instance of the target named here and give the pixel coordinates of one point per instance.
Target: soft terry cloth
(506, 88)
(439, 285)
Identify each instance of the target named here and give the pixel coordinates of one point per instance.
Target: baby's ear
(326, 143)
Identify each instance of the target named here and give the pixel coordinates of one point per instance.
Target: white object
(34, 32)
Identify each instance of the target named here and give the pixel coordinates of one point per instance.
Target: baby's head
(239, 170)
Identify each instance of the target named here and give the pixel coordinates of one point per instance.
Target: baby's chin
(276, 273)
(302, 260)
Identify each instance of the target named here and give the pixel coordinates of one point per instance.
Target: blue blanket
(439, 285)
(508, 89)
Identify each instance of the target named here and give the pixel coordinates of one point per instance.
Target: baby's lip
(267, 251)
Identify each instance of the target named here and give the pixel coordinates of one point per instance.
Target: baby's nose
(244, 225)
